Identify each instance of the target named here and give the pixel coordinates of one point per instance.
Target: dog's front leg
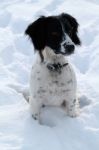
(73, 107)
(35, 108)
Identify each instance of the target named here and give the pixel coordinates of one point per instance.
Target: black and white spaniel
(53, 81)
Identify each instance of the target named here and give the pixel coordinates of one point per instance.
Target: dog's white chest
(51, 87)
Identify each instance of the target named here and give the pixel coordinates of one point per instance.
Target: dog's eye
(55, 33)
(70, 32)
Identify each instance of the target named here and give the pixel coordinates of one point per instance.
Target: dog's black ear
(36, 31)
(65, 18)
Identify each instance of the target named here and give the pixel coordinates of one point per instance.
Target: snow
(18, 130)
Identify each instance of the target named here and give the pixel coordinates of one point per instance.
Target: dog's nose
(69, 47)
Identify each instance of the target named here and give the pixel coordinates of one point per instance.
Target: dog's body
(53, 80)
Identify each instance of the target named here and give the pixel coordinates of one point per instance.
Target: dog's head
(57, 32)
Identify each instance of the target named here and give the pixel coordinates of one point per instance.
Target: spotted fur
(53, 38)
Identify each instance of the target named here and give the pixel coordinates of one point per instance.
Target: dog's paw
(73, 114)
(35, 116)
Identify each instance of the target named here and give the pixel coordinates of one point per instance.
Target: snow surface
(18, 131)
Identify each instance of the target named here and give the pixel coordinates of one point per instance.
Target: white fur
(51, 88)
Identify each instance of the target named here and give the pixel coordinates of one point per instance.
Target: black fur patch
(71, 27)
(48, 31)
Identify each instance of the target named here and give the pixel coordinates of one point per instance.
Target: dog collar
(56, 67)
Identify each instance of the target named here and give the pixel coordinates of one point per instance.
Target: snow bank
(18, 130)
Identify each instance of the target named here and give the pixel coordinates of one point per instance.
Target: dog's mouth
(66, 51)
(63, 53)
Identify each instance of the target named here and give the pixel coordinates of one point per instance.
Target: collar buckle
(56, 67)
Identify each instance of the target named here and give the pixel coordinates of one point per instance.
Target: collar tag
(56, 67)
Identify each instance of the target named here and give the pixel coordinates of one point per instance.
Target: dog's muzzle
(67, 46)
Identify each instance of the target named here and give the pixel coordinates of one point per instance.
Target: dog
(53, 81)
